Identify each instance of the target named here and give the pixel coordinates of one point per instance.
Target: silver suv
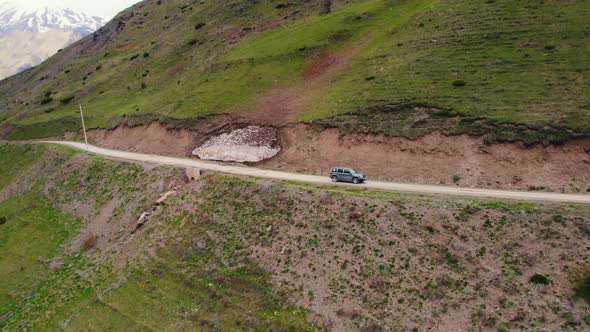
(347, 174)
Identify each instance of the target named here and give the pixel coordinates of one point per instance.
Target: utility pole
(84, 127)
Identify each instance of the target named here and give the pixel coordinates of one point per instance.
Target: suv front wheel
(356, 180)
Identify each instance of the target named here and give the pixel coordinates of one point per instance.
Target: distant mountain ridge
(15, 17)
(28, 35)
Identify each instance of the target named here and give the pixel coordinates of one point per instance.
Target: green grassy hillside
(59, 272)
(516, 62)
(244, 254)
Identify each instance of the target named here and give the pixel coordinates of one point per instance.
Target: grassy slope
(33, 229)
(15, 158)
(204, 248)
(166, 292)
(522, 62)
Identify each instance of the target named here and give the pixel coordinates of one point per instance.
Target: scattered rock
(143, 218)
(193, 173)
(164, 197)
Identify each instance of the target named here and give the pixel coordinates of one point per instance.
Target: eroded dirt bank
(435, 158)
(156, 138)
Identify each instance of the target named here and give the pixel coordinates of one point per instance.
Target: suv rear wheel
(334, 178)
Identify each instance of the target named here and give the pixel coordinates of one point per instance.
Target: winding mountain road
(315, 179)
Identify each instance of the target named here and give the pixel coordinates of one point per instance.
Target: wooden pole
(84, 127)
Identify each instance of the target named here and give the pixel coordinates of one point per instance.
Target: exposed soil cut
(156, 138)
(281, 105)
(437, 158)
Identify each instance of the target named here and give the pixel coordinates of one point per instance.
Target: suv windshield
(353, 171)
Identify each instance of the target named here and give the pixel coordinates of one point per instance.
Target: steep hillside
(235, 254)
(520, 66)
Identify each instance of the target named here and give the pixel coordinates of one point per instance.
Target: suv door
(347, 176)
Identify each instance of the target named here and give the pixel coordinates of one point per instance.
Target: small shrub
(582, 285)
(459, 83)
(456, 178)
(370, 78)
(586, 318)
(503, 328)
(536, 188)
(49, 110)
(143, 85)
(46, 100)
(199, 25)
(482, 251)
(539, 280)
(3, 220)
(134, 57)
(99, 67)
(146, 55)
(195, 41)
(90, 241)
(549, 47)
(66, 100)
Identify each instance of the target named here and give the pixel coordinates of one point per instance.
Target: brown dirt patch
(437, 158)
(282, 105)
(125, 47)
(319, 65)
(5, 129)
(380, 264)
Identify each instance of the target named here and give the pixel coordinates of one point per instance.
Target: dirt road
(270, 174)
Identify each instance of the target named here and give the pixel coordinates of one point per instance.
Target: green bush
(46, 100)
(459, 83)
(582, 286)
(539, 279)
(66, 100)
(195, 41)
(3, 220)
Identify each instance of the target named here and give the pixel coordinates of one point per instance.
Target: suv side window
(346, 171)
(340, 170)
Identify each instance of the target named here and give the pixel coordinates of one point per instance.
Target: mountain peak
(22, 17)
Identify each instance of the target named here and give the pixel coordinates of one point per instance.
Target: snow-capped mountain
(29, 35)
(17, 17)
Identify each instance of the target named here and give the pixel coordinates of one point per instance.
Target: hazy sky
(103, 8)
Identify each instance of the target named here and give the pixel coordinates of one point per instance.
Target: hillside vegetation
(234, 254)
(517, 64)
